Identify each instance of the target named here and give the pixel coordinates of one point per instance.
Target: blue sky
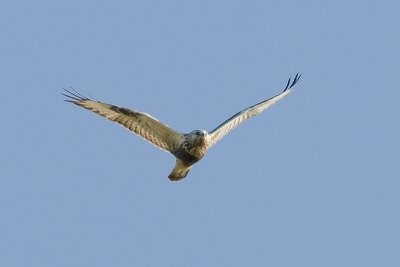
(313, 181)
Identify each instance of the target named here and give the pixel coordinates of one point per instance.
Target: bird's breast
(190, 153)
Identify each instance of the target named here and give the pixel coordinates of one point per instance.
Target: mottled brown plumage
(187, 148)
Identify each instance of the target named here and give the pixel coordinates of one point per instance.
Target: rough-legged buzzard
(187, 148)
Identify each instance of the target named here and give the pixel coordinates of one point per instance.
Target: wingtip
(73, 95)
(291, 83)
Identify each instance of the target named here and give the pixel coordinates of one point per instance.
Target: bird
(188, 148)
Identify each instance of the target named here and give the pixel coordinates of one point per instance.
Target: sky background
(313, 181)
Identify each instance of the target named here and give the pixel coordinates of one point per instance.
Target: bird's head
(198, 136)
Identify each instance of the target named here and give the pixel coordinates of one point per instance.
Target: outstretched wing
(140, 123)
(240, 117)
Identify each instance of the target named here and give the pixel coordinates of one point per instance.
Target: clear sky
(313, 181)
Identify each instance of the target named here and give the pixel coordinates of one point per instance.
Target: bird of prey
(187, 148)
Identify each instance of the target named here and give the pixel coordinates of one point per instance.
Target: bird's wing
(140, 123)
(240, 117)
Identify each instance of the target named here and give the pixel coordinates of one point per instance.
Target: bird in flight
(187, 148)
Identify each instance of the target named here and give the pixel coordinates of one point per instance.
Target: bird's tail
(180, 171)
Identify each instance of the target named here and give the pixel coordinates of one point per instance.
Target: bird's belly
(190, 155)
